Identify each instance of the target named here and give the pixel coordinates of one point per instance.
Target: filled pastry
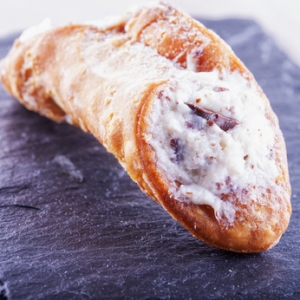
(176, 107)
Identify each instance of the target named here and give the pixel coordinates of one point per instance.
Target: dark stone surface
(74, 226)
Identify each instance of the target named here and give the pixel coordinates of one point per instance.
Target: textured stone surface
(74, 226)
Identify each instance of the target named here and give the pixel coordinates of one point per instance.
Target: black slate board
(74, 226)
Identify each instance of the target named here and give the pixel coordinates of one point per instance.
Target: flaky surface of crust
(106, 81)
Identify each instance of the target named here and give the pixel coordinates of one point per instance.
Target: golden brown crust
(158, 28)
(53, 74)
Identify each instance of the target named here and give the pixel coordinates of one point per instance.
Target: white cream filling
(213, 161)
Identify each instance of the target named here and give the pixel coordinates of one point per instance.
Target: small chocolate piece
(223, 122)
(177, 146)
(198, 58)
(178, 183)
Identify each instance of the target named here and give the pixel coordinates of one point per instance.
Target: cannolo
(176, 107)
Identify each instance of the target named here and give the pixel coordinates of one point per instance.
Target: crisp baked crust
(109, 80)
